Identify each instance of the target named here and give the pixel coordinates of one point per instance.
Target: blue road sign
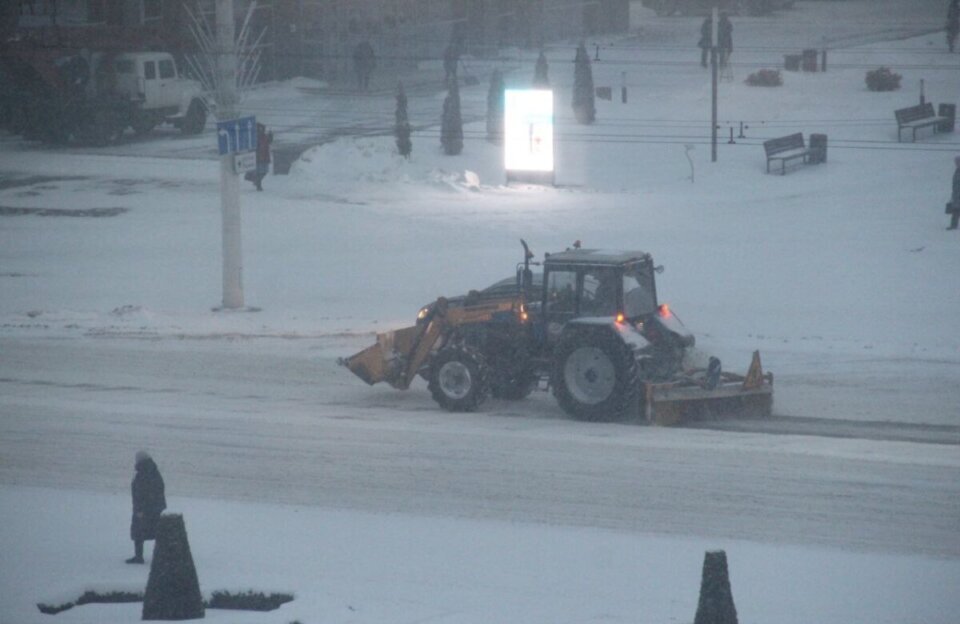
(237, 135)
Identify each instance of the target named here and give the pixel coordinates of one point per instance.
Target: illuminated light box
(528, 135)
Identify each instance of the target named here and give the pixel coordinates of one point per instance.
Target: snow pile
(373, 165)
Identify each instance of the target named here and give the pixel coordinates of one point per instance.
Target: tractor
(588, 326)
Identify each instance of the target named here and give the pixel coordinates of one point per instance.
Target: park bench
(788, 148)
(915, 117)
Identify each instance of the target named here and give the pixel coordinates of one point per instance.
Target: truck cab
(152, 82)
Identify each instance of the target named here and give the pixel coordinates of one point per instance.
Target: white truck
(158, 94)
(94, 96)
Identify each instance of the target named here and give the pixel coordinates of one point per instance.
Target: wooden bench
(915, 117)
(785, 149)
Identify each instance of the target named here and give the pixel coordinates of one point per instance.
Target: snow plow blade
(689, 398)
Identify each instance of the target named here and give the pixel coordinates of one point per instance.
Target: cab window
(561, 292)
(166, 69)
(639, 296)
(599, 298)
(150, 70)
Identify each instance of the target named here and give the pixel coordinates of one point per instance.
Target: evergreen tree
(716, 600)
(540, 78)
(953, 23)
(584, 106)
(451, 128)
(495, 108)
(173, 590)
(401, 128)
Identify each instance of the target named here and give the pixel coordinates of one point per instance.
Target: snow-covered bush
(92, 597)
(765, 78)
(247, 601)
(883, 79)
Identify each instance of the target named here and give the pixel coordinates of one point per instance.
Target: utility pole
(714, 70)
(229, 181)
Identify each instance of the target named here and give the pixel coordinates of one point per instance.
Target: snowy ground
(374, 506)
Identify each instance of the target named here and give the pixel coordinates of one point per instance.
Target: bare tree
(204, 63)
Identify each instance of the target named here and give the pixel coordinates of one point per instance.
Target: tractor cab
(592, 283)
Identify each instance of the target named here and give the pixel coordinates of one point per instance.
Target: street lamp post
(229, 182)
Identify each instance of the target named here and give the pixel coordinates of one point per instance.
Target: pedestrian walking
(953, 207)
(264, 140)
(724, 39)
(953, 23)
(706, 39)
(148, 503)
(451, 59)
(364, 62)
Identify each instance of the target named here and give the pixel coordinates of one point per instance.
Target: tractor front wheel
(458, 379)
(594, 375)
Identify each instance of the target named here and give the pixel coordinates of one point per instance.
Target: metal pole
(229, 182)
(713, 99)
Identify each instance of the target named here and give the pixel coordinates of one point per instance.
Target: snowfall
(371, 505)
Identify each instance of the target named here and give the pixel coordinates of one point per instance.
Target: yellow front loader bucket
(385, 360)
(398, 355)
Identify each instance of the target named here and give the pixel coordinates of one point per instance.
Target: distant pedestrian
(706, 39)
(724, 39)
(264, 140)
(541, 71)
(364, 62)
(953, 23)
(148, 503)
(451, 59)
(954, 206)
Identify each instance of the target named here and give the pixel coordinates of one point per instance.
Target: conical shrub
(495, 96)
(451, 125)
(584, 104)
(716, 600)
(401, 129)
(173, 590)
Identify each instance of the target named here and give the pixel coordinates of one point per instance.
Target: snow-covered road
(277, 422)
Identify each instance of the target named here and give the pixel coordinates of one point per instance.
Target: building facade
(316, 38)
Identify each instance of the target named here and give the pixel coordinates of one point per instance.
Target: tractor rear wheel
(594, 375)
(458, 379)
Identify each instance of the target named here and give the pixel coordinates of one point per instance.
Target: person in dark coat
(955, 197)
(148, 503)
(264, 140)
(724, 39)
(364, 60)
(706, 39)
